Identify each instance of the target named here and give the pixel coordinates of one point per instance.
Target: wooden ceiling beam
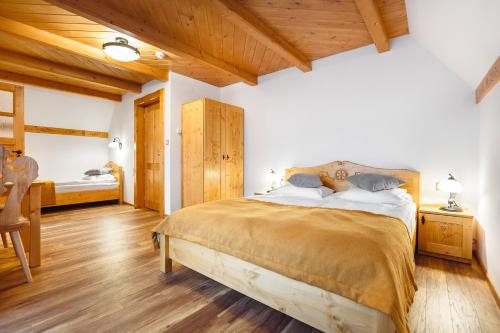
(374, 23)
(251, 24)
(20, 78)
(138, 28)
(74, 47)
(65, 71)
(489, 81)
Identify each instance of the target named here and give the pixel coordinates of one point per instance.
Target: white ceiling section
(463, 34)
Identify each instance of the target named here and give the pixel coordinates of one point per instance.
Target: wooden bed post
(120, 185)
(165, 261)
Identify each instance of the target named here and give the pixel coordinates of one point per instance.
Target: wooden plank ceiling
(57, 43)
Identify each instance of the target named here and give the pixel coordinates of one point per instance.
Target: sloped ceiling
(463, 34)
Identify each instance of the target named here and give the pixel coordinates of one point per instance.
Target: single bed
(60, 193)
(302, 294)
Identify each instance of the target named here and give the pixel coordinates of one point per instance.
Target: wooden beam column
(489, 81)
(69, 45)
(14, 77)
(248, 22)
(64, 71)
(374, 23)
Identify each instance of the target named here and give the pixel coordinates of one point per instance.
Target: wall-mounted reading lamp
(116, 143)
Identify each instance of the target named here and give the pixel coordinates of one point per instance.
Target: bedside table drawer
(448, 236)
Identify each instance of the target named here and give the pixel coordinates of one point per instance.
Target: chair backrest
(21, 172)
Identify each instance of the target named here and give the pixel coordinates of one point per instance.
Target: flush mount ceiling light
(120, 50)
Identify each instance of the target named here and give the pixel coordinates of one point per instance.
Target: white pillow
(395, 196)
(304, 192)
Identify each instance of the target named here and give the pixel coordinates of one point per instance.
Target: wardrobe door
(212, 151)
(232, 166)
(192, 153)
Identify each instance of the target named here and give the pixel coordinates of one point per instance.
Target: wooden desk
(31, 235)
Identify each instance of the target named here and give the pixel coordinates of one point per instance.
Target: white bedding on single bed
(406, 211)
(85, 185)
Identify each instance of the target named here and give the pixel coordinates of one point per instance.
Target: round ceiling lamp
(120, 50)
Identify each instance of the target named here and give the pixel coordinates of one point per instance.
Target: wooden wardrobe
(212, 151)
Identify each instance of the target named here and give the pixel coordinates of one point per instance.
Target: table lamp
(452, 186)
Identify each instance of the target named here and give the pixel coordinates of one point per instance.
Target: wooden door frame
(16, 143)
(139, 105)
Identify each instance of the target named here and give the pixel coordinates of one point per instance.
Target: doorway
(149, 152)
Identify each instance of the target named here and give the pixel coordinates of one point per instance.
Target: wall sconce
(116, 143)
(274, 179)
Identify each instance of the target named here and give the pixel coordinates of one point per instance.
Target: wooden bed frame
(72, 198)
(319, 308)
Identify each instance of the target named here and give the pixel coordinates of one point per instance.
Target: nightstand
(445, 234)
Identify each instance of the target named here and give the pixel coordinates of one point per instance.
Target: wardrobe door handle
(423, 219)
(227, 157)
(223, 157)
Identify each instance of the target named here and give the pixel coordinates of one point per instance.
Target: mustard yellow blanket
(365, 257)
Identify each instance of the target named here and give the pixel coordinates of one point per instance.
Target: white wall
(178, 90)
(62, 157)
(489, 186)
(400, 109)
(463, 34)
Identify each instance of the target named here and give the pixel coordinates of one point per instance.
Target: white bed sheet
(405, 212)
(84, 185)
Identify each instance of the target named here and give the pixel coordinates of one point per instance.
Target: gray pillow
(93, 172)
(373, 182)
(305, 180)
(98, 172)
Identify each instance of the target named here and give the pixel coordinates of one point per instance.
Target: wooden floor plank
(100, 273)
(464, 317)
(437, 314)
(483, 301)
(418, 309)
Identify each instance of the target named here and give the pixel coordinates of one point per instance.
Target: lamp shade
(120, 50)
(116, 143)
(450, 185)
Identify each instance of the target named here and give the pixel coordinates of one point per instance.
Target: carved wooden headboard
(334, 175)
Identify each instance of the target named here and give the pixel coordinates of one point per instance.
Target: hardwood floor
(99, 273)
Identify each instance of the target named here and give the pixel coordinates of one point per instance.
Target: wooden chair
(16, 177)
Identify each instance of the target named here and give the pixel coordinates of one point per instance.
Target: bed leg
(165, 261)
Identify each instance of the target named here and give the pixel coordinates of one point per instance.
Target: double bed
(335, 264)
(60, 193)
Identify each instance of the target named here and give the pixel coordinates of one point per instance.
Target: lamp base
(451, 209)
